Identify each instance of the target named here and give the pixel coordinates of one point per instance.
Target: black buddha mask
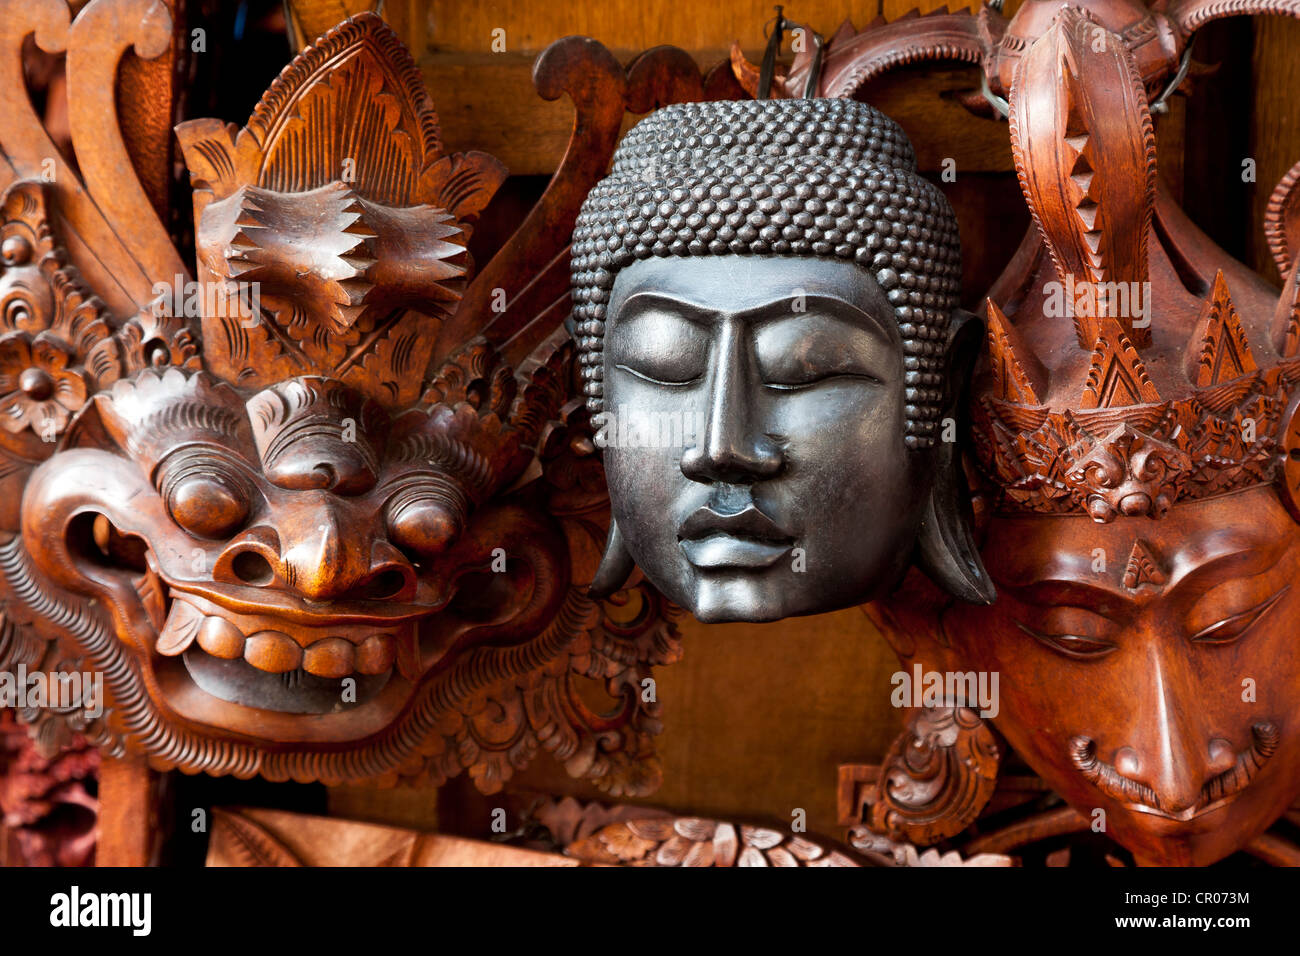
(765, 300)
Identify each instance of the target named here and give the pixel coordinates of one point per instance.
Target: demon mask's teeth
(179, 630)
(330, 657)
(221, 639)
(273, 652)
(408, 655)
(376, 654)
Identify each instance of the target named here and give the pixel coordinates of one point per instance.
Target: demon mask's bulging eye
(425, 514)
(205, 493)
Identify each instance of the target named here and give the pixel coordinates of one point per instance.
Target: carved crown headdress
(1131, 361)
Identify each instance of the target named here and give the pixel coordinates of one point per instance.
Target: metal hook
(1160, 106)
(768, 67)
(815, 70)
(999, 104)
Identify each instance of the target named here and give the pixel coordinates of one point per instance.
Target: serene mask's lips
(745, 539)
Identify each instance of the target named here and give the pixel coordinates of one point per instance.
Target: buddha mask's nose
(733, 448)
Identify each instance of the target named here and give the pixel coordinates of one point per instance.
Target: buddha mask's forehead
(734, 284)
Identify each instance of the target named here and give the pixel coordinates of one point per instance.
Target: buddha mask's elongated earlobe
(616, 564)
(945, 547)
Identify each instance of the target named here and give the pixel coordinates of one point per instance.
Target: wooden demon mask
(322, 514)
(1134, 431)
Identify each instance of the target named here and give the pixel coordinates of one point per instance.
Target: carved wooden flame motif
(362, 85)
(1094, 215)
(337, 205)
(360, 475)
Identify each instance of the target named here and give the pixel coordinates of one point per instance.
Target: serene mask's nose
(733, 448)
(1173, 752)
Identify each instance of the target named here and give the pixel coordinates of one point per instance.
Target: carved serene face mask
(1139, 448)
(765, 298)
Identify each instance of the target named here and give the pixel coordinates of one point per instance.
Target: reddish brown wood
(128, 814)
(1142, 551)
(117, 266)
(525, 288)
(48, 809)
(1155, 36)
(294, 540)
(936, 779)
(251, 837)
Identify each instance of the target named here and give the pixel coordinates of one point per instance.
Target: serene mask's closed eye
(1074, 631)
(1220, 615)
(1231, 611)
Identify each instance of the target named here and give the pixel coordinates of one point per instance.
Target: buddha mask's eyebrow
(795, 305)
(642, 303)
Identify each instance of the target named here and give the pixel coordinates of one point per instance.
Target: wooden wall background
(759, 716)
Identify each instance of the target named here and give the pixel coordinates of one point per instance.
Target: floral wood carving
(936, 778)
(48, 806)
(693, 841)
(339, 521)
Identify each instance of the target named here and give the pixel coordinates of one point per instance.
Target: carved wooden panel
(251, 837)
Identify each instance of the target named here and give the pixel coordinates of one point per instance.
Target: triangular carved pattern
(1143, 567)
(1222, 353)
(371, 107)
(1012, 378)
(1116, 374)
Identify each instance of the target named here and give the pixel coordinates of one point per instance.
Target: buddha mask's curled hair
(830, 178)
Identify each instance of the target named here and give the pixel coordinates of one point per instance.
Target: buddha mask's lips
(743, 539)
(748, 523)
(729, 551)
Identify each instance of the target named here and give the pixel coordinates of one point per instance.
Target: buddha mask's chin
(738, 595)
